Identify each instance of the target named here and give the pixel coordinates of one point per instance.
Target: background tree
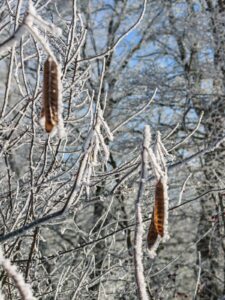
(68, 213)
(180, 46)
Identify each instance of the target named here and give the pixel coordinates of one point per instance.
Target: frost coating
(24, 289)
(30, 18)
(95, 147)
(139, 269)
(158, 229)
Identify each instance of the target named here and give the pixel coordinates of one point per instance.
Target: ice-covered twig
(89, 158)
(183, 189)
(36, 35)
(33, 15)
(24, 289)
(129, 30)
(139, 269)
(154, 164)
(199, 275)
(105, 125)
(93, 145)
(188, 136)
(136, 113)
(18, 34)
(42, 23)
(30, 18)
(158, 229)
(96, 139)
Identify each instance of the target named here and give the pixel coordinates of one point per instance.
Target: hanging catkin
(152, 233)
(158, 229)
(159, 210)
(52, 96)
(157, 226)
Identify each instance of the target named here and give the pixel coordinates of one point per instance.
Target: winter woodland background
(67, 213)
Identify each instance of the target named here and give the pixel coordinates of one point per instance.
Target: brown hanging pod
(51, 100)
(156, 228)
(152, 233)
(159, 209)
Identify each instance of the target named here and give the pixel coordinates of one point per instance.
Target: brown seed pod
(51, 95)
(152, 233)
(156, 227)
(159, 209)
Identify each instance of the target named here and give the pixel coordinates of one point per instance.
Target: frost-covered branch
(30, 18)
(129, 30)
(138, 251)
(24, 289)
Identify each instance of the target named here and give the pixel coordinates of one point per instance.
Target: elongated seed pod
(152, 233)
(157, 225)
(159, 208)
(51, 95)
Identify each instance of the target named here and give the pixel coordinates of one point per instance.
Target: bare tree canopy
(112, 149)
